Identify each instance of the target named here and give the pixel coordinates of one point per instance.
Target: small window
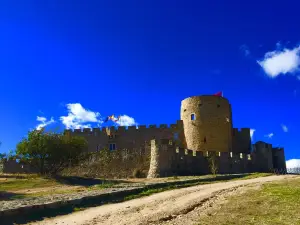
(170, 142)
(184, 110)
(231, 154)
(176, 136)
(218, 105)
(241, 155)
(200, 104)
(193, 116)
(249, 157)
(112, 146)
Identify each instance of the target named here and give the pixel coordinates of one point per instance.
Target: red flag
(220, 93)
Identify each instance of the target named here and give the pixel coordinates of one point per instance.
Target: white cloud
(245, 50)
(284, 128)
(281, 62)
(298, 77)
(79, 116)
(252, 133)
(270, 135)
(293, 163)
(126, 121)
(43, 122)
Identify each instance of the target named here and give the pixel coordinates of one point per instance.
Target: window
(184, 110)
(241, 155)
(249, 157)
(112, 146)
(200, 104)
(176, 136)
(193, 116)
(218, 105)
(231, 154)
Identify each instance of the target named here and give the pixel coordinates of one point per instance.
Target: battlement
(237, 131)
(120, 129)
(171, 146)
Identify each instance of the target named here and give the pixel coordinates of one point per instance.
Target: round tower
(207, 122)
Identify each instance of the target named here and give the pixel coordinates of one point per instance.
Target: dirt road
(170, 207)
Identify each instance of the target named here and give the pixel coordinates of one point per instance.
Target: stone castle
(183, 148)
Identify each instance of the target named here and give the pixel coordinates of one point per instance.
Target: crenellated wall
(169, 160)
(130, 137)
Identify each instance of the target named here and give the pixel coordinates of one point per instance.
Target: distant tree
(51, 152)
(213, 163)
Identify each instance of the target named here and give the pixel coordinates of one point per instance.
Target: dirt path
(168, 207)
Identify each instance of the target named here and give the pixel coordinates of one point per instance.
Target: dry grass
(12, 184)
(34, 186)
(273, 204)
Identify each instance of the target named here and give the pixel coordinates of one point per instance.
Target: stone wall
(130, 137)
(169, 160)
(279, 159)
(12, 166)
(211, 128)
(241, 140)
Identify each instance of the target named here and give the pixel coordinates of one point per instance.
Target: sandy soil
(179, 206)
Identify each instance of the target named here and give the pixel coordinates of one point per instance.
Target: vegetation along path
(178, 206)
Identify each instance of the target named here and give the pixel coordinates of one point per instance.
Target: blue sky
(141, 58)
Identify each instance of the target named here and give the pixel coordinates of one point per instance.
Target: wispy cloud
(79, 117)
(245, 50)
(252, 133)
(126, 121)
(43, 122)
(293, 163)
(298, 77)
(270, 135)
(281, 61)
(284, 128)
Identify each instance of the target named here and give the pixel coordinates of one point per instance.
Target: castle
(183, 148)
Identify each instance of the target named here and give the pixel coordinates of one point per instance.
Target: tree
(50, 152)
(213, 163)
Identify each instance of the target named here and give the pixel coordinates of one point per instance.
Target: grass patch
(30, 183)
(275, 203)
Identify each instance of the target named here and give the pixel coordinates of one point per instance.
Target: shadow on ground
(40, 214)
(83, 181)
(8, 196)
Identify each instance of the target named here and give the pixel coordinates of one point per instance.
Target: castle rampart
(131, 136)
(169, 160)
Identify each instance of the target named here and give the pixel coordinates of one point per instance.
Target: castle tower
(207, 122)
